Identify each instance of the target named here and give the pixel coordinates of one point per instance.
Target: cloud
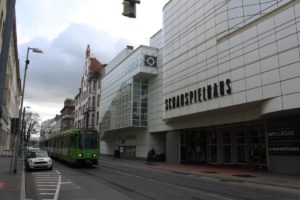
(55, 75)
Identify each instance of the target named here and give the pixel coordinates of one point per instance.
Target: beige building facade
(10, 76)
(87, 101)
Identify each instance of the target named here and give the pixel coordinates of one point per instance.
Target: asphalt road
(122, 181)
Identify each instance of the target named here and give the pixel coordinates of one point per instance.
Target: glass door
(227, 147)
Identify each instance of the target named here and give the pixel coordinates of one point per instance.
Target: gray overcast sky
(63, 29)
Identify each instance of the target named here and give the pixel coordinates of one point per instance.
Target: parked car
(29, 149)
(38, 159)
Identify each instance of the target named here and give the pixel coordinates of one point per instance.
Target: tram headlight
(80, 155)
(94, 155)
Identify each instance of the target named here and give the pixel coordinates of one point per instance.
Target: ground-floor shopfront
(238, 144)
(272, 143)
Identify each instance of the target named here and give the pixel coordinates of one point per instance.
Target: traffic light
(129, 8)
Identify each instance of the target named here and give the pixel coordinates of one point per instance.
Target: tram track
(116, 185)
(197, 193)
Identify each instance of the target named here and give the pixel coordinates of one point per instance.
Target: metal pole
(22, 131)
(20, 114)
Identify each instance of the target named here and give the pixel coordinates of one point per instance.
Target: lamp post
(23, 129)
(35, 50)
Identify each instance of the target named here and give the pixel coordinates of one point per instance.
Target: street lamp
(35, 50)
(23, 129)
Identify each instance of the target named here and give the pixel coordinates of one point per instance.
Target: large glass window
(129, 107)
(140, 103)
(88, 140)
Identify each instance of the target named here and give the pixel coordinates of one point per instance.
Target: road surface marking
(46, 193)
(38, 182)
(58, 186)
(46, 178)
(46, 185)
(69, 182)
(45, 189)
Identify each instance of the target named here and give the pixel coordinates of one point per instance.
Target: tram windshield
(88, 140)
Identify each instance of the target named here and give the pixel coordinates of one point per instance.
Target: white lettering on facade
(281, 133)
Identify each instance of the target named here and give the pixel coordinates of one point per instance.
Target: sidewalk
(224, 173)
(10, 183)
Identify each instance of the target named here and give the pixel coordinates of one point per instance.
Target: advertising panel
(284, 142)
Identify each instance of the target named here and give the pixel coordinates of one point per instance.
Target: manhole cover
(244, 175)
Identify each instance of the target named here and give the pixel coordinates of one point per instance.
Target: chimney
(129, 47)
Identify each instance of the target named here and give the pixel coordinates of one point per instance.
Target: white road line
(58, 186)
(46, 185)
(23, 192)
(46, 182)
(45, 189)
(46, 178)
(69, 182)
(57, 172)
(45, 174)
(43, 193)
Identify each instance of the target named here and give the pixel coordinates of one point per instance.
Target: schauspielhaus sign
(199, 95)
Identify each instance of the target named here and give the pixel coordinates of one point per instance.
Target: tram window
(71, 141)
(67, 141)
(75, 141)
(88, 140)
(81, 141)
(91, 140)
(64, 141)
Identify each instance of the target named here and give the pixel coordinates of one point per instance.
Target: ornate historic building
(87, 101)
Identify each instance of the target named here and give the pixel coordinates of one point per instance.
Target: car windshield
(38, 154)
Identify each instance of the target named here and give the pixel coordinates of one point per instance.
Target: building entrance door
(227, 146)
(193, 147)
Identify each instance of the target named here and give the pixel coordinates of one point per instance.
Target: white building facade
(125, 102)
(225, 89)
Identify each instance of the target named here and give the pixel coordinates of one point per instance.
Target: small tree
(32, 124)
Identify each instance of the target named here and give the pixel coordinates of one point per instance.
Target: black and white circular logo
(150, 61)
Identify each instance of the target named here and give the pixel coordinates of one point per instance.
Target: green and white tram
(75, 146)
